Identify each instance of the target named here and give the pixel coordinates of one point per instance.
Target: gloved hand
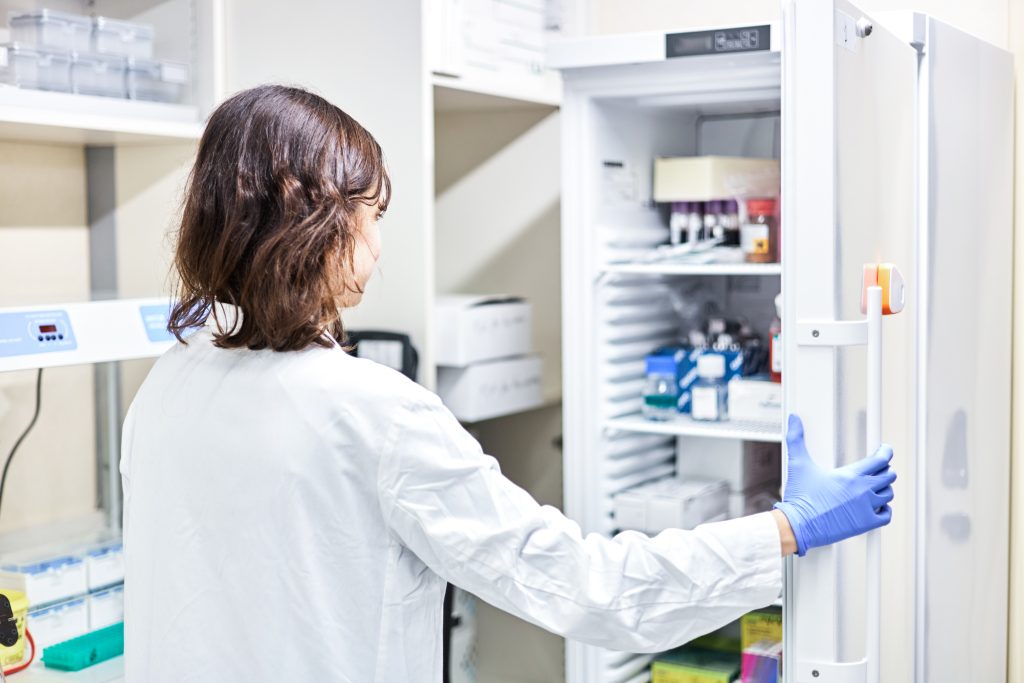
(826, 506)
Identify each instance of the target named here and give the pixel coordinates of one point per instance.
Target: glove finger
(883, 479)
(873, 463)
(884, 516)
(883, 497)
(795, 438)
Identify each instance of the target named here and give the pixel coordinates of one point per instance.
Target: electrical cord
(14, 448)
(31, 657)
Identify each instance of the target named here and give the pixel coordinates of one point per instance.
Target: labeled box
(62, 621)
(44, 576)
(692, 665)
(743, 465)
(755, 400)
(470, 329)
(491, 389)
(686, 369)
(106, 608)
(709, 178)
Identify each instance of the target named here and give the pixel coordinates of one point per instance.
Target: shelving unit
(693, 268)
(683, 425)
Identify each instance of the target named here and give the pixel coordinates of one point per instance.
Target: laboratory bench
(110, 671)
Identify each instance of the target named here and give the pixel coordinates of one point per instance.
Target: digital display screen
(743, 39)
(47, 329)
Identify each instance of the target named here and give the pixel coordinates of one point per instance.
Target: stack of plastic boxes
(73, 587)
(65, 52)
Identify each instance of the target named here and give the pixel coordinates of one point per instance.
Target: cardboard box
(761, 662)
(491, 389)
(743, 465)
(690, 665)
(755, 400)
(705, 179)
(763, 624)
(470, 329)
(743, 503)
(671, 504)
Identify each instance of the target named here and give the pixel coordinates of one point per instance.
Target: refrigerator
(895, 135)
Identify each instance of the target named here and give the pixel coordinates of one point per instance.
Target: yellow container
(15, 653)
(763, 624)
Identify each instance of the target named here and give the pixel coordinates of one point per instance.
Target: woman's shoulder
(335, 369)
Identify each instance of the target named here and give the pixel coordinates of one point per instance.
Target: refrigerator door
(848, 199)
(966, 181)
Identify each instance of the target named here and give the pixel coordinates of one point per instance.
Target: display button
(60, 336)
(40, 337)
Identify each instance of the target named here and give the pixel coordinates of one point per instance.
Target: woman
(292, 513)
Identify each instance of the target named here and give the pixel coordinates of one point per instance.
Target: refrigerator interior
(635, 312)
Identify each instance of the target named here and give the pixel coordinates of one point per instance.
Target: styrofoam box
(754, 400)
(743, 503)
(106, 608)
(56, 623)
(703, 179)
(492, 389)
(470, 329)
(671, 504)
(743, 465)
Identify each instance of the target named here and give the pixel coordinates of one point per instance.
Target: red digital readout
(47, 329)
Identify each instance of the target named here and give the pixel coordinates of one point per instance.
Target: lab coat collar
(225, 317)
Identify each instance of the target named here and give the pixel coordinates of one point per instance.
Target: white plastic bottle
(709, 396)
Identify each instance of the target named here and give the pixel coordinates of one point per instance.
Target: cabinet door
(849, 93)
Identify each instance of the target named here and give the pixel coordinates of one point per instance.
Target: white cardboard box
(743, 465)
(470, 329)
(755, 400)
(709, 178)
(671, 504)
(491, 389)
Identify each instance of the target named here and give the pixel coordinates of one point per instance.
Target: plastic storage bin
(44, 575)
(671, 504)
(106, 608)
(96, 74)
(156, 81)
(125, 38)
(56, 623)
(36, 68)
(56, 30)
(104, 564)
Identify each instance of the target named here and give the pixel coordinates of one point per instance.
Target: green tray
(83, 651)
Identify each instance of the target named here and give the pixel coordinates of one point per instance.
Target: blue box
(686, 368)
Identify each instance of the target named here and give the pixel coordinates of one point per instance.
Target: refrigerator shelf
(693, 268)
(685, 426)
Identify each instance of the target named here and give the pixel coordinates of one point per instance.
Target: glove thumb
(798, 454)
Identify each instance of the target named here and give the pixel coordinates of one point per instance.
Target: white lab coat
(294, 517)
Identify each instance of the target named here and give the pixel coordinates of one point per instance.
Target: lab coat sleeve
(449, 503)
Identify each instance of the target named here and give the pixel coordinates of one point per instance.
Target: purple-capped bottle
(696, 231)
(731, 223)
(711, 210)
(678, 222)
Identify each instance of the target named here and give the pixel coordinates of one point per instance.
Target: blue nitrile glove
(826, 506)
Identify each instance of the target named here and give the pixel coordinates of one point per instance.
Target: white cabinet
(875, 149)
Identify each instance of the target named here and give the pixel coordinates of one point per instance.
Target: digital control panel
(32, 332)
(719, 41)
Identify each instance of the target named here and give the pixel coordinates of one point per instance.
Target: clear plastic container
(156, 81)
(710, 395)
(36, 68)
(96, 74)
(104, 563)
(125, 38)
(54, 30)
(661, 393)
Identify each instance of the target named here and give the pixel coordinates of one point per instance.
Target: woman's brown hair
(270, 219)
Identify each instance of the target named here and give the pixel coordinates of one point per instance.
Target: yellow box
(705, 179)
(19, 605)
(761, 625)
(687, 665)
